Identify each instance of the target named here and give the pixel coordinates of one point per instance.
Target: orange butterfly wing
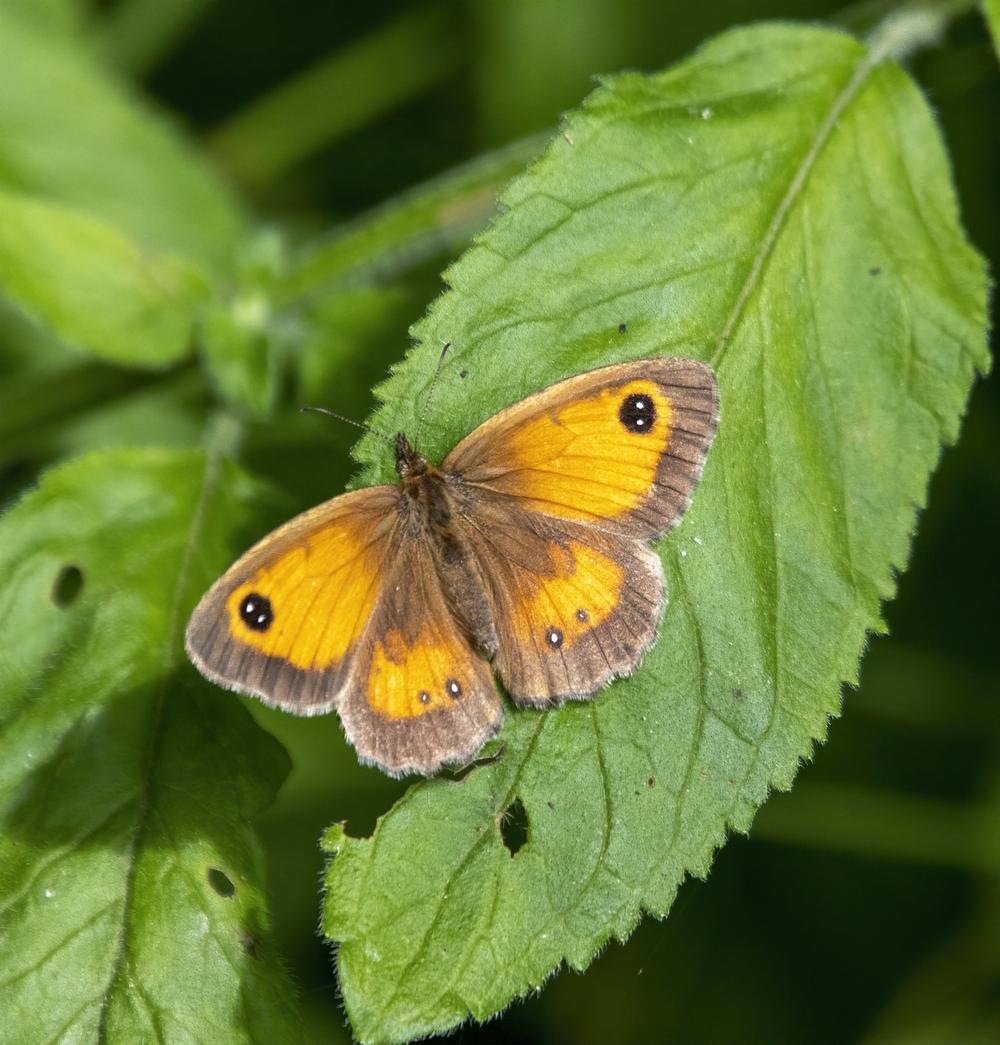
(340, 608)
(575, 606)
(621, 447)
(284, 622)
(423, 696)
(563, 490)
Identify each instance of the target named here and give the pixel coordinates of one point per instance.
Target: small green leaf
(244, 338)
(94, 287)
(131, 897)
(780, 204)
(73, 135)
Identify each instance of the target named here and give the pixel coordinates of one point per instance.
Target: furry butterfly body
(526, 549)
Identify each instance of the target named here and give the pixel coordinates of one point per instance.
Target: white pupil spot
(250, 607)
(453, 686)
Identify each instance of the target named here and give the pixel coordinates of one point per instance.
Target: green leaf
(71, 134)
(779, 204)
(52, 16)
(94, 287)
(131, 896)
(245, 338)
(991, 12)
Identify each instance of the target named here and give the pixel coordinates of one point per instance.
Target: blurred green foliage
(865, 904)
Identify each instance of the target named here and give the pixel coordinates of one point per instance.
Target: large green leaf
(780, 204)
(53, 16)
(131, 897)
(74, 136)
(94, 287)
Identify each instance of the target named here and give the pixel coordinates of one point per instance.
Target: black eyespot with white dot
(256, 612)
(453, 689)
(424, 697)
(582, 616)
(637, 413)
(553, 637)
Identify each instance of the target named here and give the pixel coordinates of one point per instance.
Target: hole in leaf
(220, 882)
(67, 586)
(514, 826)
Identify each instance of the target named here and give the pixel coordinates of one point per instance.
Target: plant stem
(431, 219)
(344, 91)
(913, 26)
(885, 826)
(135, 35)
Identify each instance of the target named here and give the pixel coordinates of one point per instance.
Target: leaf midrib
(861, 70)
(210, 476)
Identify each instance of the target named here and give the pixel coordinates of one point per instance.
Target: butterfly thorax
(425, 501)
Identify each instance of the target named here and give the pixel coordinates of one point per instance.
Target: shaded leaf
(131, 897)
(137, 36)
(71, 134)
(94, 287)
(780, 205)
(75, 408)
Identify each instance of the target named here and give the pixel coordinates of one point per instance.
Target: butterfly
(525, 554)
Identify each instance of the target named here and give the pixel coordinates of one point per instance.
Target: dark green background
(865, 905)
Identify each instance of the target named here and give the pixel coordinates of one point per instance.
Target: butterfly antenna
(430, 393)
(346, 420)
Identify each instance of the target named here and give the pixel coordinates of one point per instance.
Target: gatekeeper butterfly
(527, 548)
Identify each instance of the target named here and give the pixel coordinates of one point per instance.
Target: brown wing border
(613, 648)
(223, 659)
(421, 744)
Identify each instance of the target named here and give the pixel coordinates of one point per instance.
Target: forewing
(621, 447)
(286, 621)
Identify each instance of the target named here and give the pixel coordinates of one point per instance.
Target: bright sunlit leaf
(780, 205)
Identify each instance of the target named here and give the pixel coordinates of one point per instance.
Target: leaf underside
(131, 896)
(780, 205)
